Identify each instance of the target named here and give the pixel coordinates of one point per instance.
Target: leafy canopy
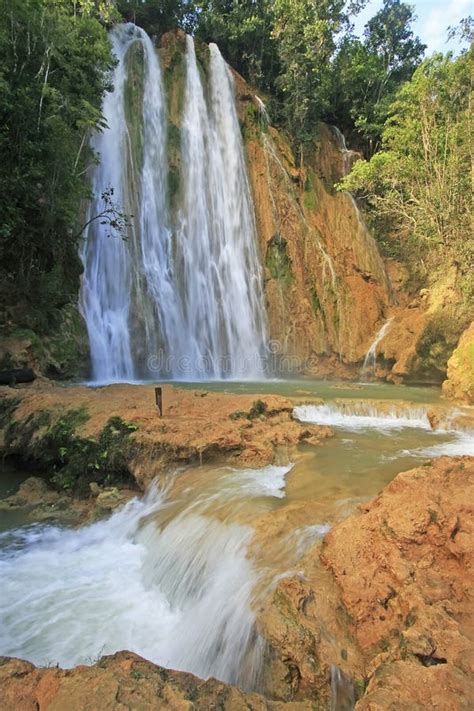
(54, 63)
(418, 187)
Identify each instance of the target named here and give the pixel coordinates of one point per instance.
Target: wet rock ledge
(383, 610)
(122, 681)
(54, 428)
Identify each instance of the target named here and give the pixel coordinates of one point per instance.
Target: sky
(433, 19)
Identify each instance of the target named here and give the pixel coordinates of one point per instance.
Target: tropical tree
(243, 31)
(368, 73)
(305, 32)
(418, 187)
(159, 16)
(54, 63)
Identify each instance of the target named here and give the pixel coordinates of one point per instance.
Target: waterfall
(349, 157)
(106, 283)
(343, 695)
(371, 356)
(181, 296)
(216, 245)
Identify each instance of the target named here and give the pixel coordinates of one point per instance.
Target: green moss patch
(436, 345)
(277, 260)
(70, 460)
(133, 99)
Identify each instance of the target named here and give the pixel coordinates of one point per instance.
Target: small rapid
(357, 416)
(178, 594)
(384, 419)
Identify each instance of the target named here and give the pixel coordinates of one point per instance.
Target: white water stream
(177, 592)
(371, 356)
(182, 296)
(216, 243)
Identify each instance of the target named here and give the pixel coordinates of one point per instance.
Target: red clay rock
(404, 566)
(196, 426)
(121, 681)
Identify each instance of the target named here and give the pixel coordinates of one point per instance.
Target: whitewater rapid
(362, 417)
(177, 590)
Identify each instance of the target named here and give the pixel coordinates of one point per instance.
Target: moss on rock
(133, 100)
(435, 346)
(460, 381)
(277, 260)
(62, 353)
(57, 445)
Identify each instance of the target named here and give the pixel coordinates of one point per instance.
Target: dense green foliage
(302, 56)
(159, 16)
(54, 58)
(418, 187)
(368, 73)
(305, 32)
(70, 460)
(243, 31)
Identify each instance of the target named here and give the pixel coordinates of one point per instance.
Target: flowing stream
(182, 295)
(371, 355)
(179, 575)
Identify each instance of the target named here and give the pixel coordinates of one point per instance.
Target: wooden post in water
(159, 400)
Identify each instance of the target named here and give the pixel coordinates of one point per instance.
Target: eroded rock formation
(121, 681)
(392, 605)
(460, 381)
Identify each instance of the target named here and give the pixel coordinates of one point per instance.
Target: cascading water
(184, 302)
(371, 355)
(105, 292)
(177, 592)
(354, 416)
(216, 243)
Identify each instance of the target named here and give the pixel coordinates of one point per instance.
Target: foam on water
(309, 535)
(269, 481)
(463, 444)
(179, 596)
(363, 418)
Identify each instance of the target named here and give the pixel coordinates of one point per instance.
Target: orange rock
(192, 429)
(460, 381)
(404, 566)
(121, 681)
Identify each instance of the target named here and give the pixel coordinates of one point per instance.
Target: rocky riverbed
(383, 609)
(376, 614)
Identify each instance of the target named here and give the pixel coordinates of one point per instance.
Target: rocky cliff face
(326, 286)
(328, 290)
(460, 381)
